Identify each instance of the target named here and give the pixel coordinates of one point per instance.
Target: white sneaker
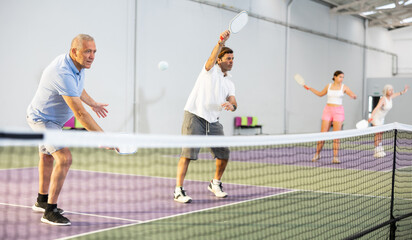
(217, 189)
(180, 196)
(379, 153)
(335, 160)
(316, 157)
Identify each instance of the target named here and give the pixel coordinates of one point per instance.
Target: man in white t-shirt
(213, 91)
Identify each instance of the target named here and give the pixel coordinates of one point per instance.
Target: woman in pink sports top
(333, 111)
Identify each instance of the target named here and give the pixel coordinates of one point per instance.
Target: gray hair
(77, 41)
(386, 88)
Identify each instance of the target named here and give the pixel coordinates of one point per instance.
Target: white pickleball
(163, 65)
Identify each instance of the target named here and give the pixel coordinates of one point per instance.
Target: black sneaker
(55, 218)
(41, 207)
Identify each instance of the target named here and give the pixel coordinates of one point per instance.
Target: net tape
(95, 139)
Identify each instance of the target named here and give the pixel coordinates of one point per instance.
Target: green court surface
(297, 215)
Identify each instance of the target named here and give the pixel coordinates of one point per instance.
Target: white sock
(215, 181)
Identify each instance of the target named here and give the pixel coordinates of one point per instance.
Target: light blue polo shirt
(60, 78)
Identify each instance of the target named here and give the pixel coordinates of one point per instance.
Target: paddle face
(299, 79)
(362, 124)
(238, 22)
(126, 149)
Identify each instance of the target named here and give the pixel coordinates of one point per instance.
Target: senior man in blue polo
(59, 96)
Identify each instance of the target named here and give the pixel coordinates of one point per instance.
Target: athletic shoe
(316, 157)
(180, 196)
(41, 207)
(379, 153)
(335, 160)
(55, 218)
(217, 189)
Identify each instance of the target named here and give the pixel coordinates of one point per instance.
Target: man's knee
(220, 161)
(47, 159)
(67, 161)
(63, 157)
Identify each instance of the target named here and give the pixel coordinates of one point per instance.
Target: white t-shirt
(211, 90)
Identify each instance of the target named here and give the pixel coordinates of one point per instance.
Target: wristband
(234, 107)
(307, 88)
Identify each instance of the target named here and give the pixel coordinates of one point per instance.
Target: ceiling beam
(389, 18)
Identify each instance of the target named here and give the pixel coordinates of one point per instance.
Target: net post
(393, 224)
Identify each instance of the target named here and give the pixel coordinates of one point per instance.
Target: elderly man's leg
(63, 160)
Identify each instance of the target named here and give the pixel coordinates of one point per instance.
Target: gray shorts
(40, 126)
(194, 125)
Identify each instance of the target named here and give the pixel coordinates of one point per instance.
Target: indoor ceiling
(389, 14)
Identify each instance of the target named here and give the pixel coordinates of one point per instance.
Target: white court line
(78, 213)
(108, 217)
(351, 194)
(3, 169)
(176, 215)
(174, 178)
(388, 171)
(15, 205)
(399, 168)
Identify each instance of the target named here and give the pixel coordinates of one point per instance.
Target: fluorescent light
(393, 5)
(407, 20)
(387, 6)
(368, 13)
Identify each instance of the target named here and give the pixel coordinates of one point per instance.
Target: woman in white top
(378, 114)
(333, 111)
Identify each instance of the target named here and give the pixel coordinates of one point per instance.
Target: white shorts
(40, 126)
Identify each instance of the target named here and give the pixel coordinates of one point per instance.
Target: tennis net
(275, 189)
